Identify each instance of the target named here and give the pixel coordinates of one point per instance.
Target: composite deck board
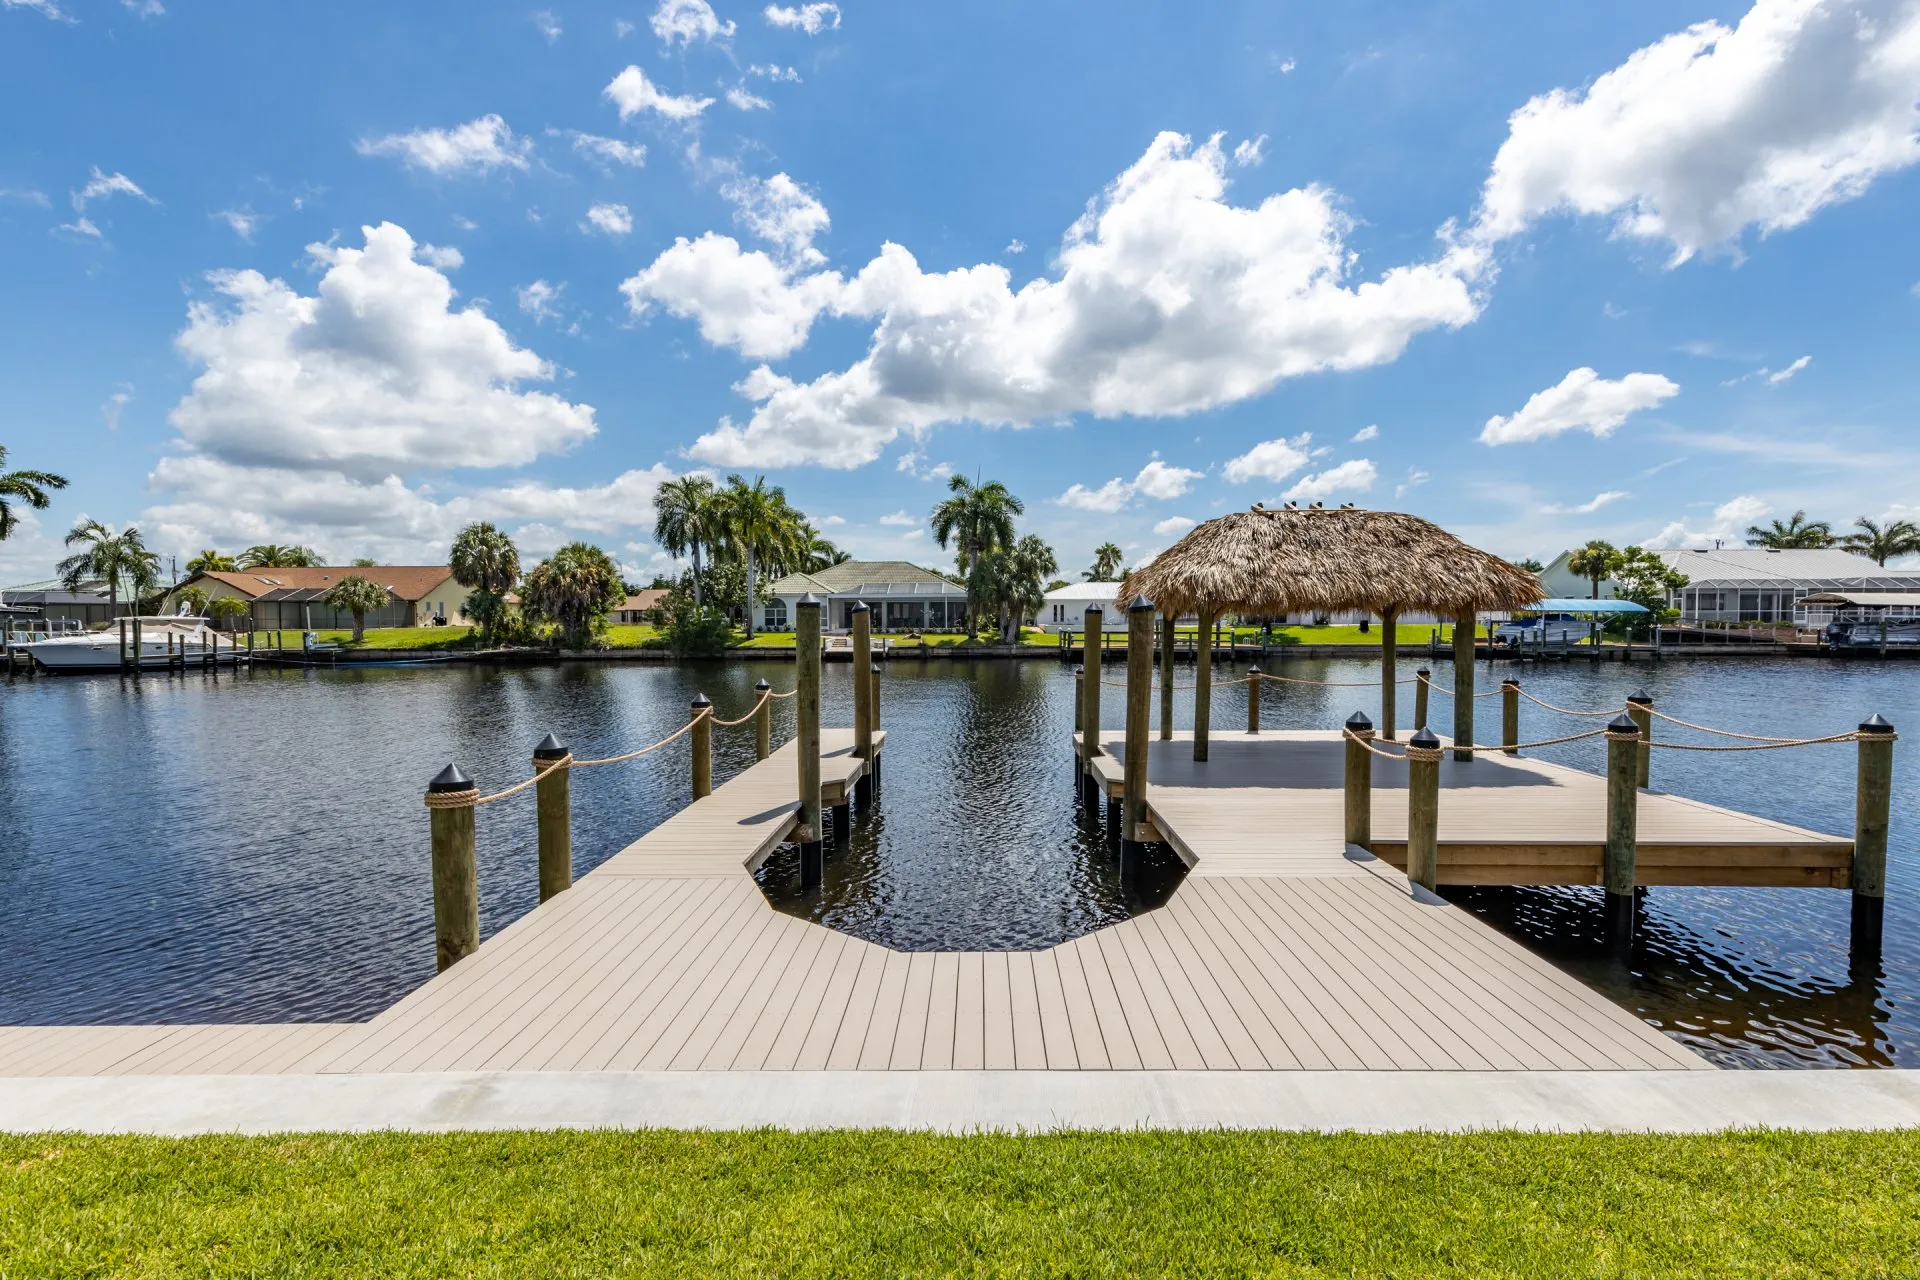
(1282, 949)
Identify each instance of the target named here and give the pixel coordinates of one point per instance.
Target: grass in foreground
(890, 1204)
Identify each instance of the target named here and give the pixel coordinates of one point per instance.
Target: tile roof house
(638, 606)
(292, 599)
(903, 596)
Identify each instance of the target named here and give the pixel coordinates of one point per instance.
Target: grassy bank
(841, 1204)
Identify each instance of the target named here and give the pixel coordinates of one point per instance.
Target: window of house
(777, 614)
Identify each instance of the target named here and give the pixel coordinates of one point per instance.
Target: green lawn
(889, 1204)
(382, 638)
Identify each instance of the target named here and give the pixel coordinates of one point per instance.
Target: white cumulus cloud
(1729, 524)
(779, 211)
(375, 372)
(1581, 401)
(633, 93)
(1354, 476)
(1715, 129)
(1157, 480)
(1270, 460)
(686, 21)
(541, 300)
(1168, 300)
(478, 146)
(1365, 434)
(743, 299)
(1173, 526)
(1110, 496)
(1250, 151)
(610, 219)
(810, 18)
(741, 99)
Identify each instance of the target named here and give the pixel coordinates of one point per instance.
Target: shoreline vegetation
(844, 1203)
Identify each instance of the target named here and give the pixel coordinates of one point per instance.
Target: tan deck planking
(669, 957)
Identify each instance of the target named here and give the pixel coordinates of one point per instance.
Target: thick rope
(1725, 733)
(472, 799)
(1448, 693)
(1568, 711)
(1518, 746)
(1849, 736)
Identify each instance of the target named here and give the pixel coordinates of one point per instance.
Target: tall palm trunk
(698, 602)
(750, 591)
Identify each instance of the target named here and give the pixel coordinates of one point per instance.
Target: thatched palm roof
(1314, 559)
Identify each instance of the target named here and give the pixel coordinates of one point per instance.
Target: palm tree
(29, 487)
(1795, 534)
(687, 521)
(358, 596)
(577, 587)
(1028, 564)
(485, 561)
(211, 561)
(979, 518)
(814, 552)
(758, 526)
(112, 558)
(1106, 559)
(1881, 543)
(271, 555)
(229, 609)
(1595, 562)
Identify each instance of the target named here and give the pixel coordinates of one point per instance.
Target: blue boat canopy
(1577, 604)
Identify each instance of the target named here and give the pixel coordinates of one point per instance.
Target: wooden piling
(1640, 711)
(806, 640)
(123, 646)
(553, 803)
(1623, 827)
(1166, 677)
(1422, 679)
(1359, 782)
(1389, 672)
(862, 619)
(1423, 808)
(1090, 688)
(873, 765)
(1133, 819)
(1873, 796)
(1463, 689)
(700, 711)
(138, 654)
(1203, 686)
(456, 888)
(1253, 699)
(763, 721)
(1510, 716)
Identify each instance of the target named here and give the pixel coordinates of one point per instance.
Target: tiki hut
(1328, 560)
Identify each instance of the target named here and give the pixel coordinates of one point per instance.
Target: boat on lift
(162, 641)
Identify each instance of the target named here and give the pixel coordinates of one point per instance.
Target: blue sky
(353, 275)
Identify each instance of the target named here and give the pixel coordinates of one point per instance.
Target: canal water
(252, 846)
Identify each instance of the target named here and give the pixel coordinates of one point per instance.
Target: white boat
(162, 641)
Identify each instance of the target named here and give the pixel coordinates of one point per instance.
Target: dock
(1282, 950)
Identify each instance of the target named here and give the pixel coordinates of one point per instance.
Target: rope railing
(471, 799)
(1268, 675)
(1447, 693)
(1405, 753)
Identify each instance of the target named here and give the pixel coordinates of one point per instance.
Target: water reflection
(251, 846)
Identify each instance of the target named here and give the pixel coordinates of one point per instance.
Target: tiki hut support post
(1133, 819)
(1389, 675)
(1203, 685)
(1253, 699)
(1166, 677)
(1463, 688)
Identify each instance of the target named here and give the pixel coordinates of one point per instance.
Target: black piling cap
(1423, 672)
(1876, 723)
(1094, 608)
(700, 700)
(1641, 699)
(1079, 671)
(762, 686)
(1358, 722)
(550, 748)
(1512, 680)
(809, 601)
(876, 668)
(1624, 724)
(1253, 671)
(1139, 603)
(1424, 737)
(450, 779)
(858, 606)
